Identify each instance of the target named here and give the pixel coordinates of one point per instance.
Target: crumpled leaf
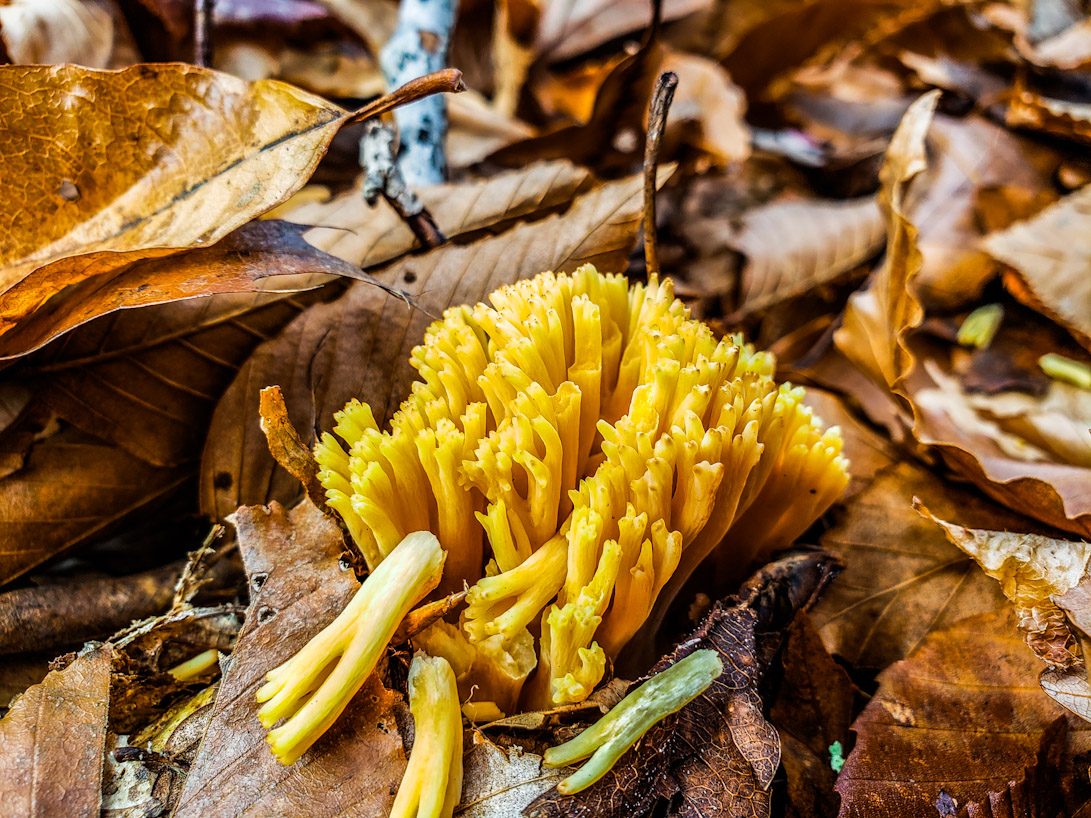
(367, 236)
(568, 28)
(44, 32)
(497, 782)
(813, 710)
(259, 256)
(1069, 120)
(1032, 569)
(72, 488)
(53, 739)
(794, 246)
(956, 717)
(286, 446)
(297, 586)
(1049, 255)
(360, 343)
(902, 579)
(876, 319)
(718, 754)
(41, 617)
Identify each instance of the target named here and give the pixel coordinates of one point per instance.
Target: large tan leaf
(960, 717)
(71, 489)
(1051, 255)
(876, 319)
(358, 346)
(54, 739)
(794, 246)
(902, 578)
(366, 236)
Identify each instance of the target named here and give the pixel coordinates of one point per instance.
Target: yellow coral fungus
(579, 447)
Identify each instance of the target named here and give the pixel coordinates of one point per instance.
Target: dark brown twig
(449, 80)
(657, 119)
(202, 32)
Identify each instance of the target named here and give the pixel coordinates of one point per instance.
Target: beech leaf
(53, 741)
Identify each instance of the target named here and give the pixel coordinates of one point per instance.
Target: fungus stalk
(432, 784)
(608, 739)
(312, 688)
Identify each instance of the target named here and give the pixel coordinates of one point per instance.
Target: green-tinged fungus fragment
(192, 668)
(1065, 369)
(981, 326)
(432, 784)
(608, 739)
(312, 688)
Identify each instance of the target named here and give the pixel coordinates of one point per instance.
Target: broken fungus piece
(312, 688)
(432, 784)
(580, 446)
(607, 740)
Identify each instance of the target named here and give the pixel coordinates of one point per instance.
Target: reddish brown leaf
(53, 741)
(72, 489)
(358, 346)
(286, 446)
(297, 587)
(258, 256)
(961, 716)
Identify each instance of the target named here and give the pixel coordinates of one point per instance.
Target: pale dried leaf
(44, 32)
(795, 246)
(569, 28)
(1031, 570)
(1051, 254)
(499, 781)
(707, 97)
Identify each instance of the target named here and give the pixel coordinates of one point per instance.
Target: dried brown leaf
(718, 754)
(572, 27)
(297, 586)
(286, 446)
(957, 717)
(1050, 254)
(902, 579)
(358, 346)
(72, 489)
(347, 227)
(876, 319)
(53, 740)
(259, 256)
(794, 246)
(1069, 120)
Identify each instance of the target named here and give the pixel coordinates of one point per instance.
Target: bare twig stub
(419, 46)
(202, 32)
(287, 446)
(657, 119)
(383, 178)
(448, 80)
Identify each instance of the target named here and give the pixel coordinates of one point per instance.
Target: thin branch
(449, 80)
(657, 119)
(202, 32)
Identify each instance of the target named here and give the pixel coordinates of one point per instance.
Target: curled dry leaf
(259, 256)
(287, 447)
(572, 27)
(717, 754)
(44, 32)
(1032, 569)
(902, 578)
(794, 246)
(53, 740)
(1049, 256)
(47, 616)
(876, 319)
(956, 717)
(72, 488)
(360, 343)
(297, 586)
(1069, 120)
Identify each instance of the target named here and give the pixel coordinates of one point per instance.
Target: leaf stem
(657, 119)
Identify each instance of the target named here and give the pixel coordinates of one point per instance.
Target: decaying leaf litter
(890, 198)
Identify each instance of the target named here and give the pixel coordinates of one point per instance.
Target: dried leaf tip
(312, 688)
(607, 740)
(432, 784)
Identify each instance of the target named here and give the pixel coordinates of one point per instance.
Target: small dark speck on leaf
(68, 191)
(222, 480)
(409, 277)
